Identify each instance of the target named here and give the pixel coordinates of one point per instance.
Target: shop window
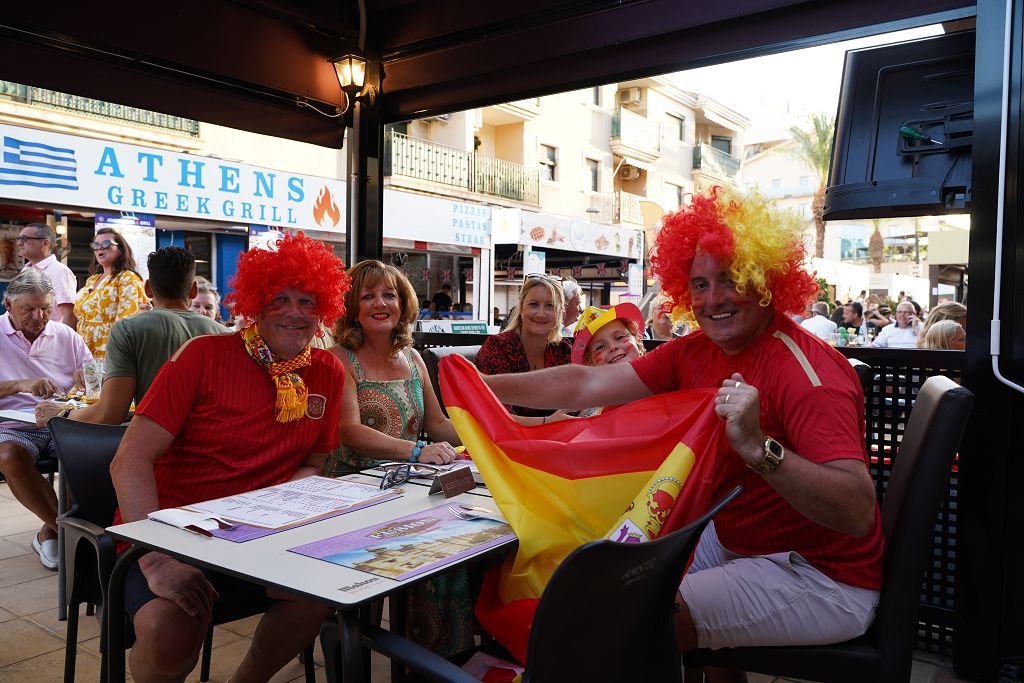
(548, 162)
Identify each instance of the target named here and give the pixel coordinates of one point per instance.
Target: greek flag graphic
(34, 164)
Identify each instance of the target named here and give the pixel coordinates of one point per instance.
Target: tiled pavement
(32, 639)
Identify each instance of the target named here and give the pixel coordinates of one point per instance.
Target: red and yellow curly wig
(762, 244)
(300, 262)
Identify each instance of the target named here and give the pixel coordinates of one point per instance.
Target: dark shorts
(36, 441)
(236, 596)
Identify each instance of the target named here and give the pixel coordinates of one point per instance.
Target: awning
(720, 120)
(642, 165)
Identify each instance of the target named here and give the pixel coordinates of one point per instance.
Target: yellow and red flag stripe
(642, 469)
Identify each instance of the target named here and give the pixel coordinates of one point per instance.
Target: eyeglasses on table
(399, 473)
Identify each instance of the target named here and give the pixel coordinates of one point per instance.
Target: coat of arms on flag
(34, 164)
(630, 473)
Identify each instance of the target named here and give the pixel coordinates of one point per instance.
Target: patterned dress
(439, 611)
(98, 306)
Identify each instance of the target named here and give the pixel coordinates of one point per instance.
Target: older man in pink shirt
(39, 360)
(35, 245)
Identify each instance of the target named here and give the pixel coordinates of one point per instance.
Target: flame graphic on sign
(325, 212)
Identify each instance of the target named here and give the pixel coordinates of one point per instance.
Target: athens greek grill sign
(71, 171)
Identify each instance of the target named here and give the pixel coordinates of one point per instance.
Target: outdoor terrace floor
(32, 639)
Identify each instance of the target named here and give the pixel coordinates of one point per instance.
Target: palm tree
(876, 246)
(814, 148)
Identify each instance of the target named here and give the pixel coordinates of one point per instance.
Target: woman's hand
(440, 453)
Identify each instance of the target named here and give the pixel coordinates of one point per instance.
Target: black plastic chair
(85, 452)
(432, 357)
(920, 474)
(606, 615)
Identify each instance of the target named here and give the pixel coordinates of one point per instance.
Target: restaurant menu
(409, 546)
(292, 503)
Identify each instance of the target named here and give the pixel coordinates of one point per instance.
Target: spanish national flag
(629, 474)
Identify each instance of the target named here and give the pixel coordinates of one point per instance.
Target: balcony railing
(634, 135)
(414, 158)
(710, 160)
(628, 208)
(97, 108)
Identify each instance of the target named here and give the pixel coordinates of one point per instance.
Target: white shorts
(779, 599)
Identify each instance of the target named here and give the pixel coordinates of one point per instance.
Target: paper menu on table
(294, 502)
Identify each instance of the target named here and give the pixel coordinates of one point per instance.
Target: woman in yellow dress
(113, 291)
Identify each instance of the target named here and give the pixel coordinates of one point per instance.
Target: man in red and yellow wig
(228, 414)
(797, 558)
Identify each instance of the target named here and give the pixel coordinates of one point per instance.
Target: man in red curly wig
(228, 414)
(797, 558)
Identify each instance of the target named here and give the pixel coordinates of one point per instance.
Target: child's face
(613, 343)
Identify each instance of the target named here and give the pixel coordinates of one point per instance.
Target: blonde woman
(532, 338)
(944, 334)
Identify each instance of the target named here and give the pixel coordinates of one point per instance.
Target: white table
(267, 562)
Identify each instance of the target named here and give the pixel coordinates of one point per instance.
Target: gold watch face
(773, 453)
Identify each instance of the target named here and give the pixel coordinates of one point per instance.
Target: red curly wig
(762, 244)
(300, 262)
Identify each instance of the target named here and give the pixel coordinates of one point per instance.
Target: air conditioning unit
(628, 96)
(629, 173)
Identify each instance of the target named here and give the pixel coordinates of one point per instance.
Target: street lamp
(351, 71)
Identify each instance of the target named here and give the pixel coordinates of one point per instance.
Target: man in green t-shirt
(139, 345)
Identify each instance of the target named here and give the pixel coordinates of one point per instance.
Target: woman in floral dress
(113, 291)
(388, 401)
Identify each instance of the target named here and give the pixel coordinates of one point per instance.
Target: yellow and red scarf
(292, 396)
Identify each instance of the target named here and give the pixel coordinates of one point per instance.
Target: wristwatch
(774, 453)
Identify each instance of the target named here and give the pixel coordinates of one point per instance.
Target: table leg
(113, 614)
(350, 630)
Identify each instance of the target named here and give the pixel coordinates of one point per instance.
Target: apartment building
(565, 177)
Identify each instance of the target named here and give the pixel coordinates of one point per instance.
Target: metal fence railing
(88, 106)
(425, 160)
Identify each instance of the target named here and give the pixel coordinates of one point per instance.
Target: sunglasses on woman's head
(105, 244)
(544, 276)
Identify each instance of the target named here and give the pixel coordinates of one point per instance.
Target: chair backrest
(607, 612)
(85, 451)
(865, 373)
(919, 478)
(432, 357)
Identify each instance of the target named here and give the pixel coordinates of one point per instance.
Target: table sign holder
(453, 482)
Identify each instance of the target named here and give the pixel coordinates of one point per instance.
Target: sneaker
(47, 551)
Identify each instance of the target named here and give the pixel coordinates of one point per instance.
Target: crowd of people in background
(869, 321)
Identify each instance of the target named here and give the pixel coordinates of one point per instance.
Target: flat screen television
(904, 130)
